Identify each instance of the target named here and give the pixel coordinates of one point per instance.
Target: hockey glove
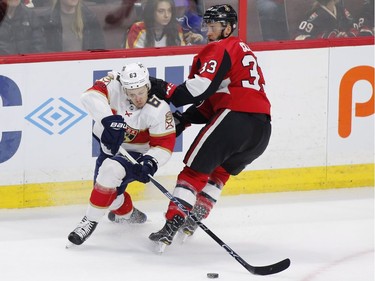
(147, 166)
(180, 121)
(163, 90)
(114, 132)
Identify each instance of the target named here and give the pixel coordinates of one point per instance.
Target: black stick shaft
(258, 270)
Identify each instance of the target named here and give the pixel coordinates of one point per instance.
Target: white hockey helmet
(134, 75)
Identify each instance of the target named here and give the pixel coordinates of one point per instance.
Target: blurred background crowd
(42, 26)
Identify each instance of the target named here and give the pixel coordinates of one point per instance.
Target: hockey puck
(212, 275)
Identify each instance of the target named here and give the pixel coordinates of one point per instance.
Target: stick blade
(269, 269)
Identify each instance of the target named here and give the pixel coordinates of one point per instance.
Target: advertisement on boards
(322, 113)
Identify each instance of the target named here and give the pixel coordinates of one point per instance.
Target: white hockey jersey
(150, 130)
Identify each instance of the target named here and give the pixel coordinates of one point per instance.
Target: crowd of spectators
(332, 19)
(39, 26)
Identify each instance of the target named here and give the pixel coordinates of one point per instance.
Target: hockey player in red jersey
(327, 19)
(125, 115)
(226, 88)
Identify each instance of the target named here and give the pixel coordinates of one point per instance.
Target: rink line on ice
(316, 275)
(262, 181)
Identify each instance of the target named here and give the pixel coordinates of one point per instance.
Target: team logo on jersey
(130, 134)
(313, 16)
(169, 120)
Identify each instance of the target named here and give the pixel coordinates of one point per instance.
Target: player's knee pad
(111, 173)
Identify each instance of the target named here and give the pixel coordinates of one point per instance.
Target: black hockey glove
(163, 90)
(114, 132)
(147, 166)
(180, 121)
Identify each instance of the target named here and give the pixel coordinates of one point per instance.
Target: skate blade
(159, 247)
(182, 237)
(70, 245)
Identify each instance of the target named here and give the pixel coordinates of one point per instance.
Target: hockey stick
(257, 270)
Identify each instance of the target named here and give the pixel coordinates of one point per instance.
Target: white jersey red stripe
(150, 130)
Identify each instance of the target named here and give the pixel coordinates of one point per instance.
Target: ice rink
(328, 235)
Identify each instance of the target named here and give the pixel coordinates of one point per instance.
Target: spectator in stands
(71, 26)
(20, 30)
(159, 27)
(272, 20)
(327, 19)
(190, 21)
(117, 16)
(3, 9)
(366, 19)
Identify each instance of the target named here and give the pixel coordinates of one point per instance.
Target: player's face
(215, 31)
(163, 13)
(138, 96)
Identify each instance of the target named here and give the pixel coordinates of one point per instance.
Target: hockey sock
(100, 199)
(209, 195)
(189, 183)
(127, 206)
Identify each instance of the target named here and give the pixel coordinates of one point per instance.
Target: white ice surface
(328, 235)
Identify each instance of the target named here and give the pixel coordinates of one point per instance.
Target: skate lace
(168, 231)
(199, 211)
(175, 224)
(84, 228)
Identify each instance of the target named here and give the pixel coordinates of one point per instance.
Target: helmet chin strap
(222, 36)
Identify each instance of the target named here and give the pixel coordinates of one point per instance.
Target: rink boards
(322, 116)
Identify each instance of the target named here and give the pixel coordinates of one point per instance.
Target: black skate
(190, 226)
(137, 217)
(83, 231)
(165, 235)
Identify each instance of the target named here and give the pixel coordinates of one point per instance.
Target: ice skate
(187, 229)
(83, 231)
(165, 235)
(136, 217)
(190, 226)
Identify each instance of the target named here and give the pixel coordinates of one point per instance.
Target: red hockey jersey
(224, 74)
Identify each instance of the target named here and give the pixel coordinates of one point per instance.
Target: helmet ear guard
(134, 76)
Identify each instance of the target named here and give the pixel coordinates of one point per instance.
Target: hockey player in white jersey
(126, 115)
